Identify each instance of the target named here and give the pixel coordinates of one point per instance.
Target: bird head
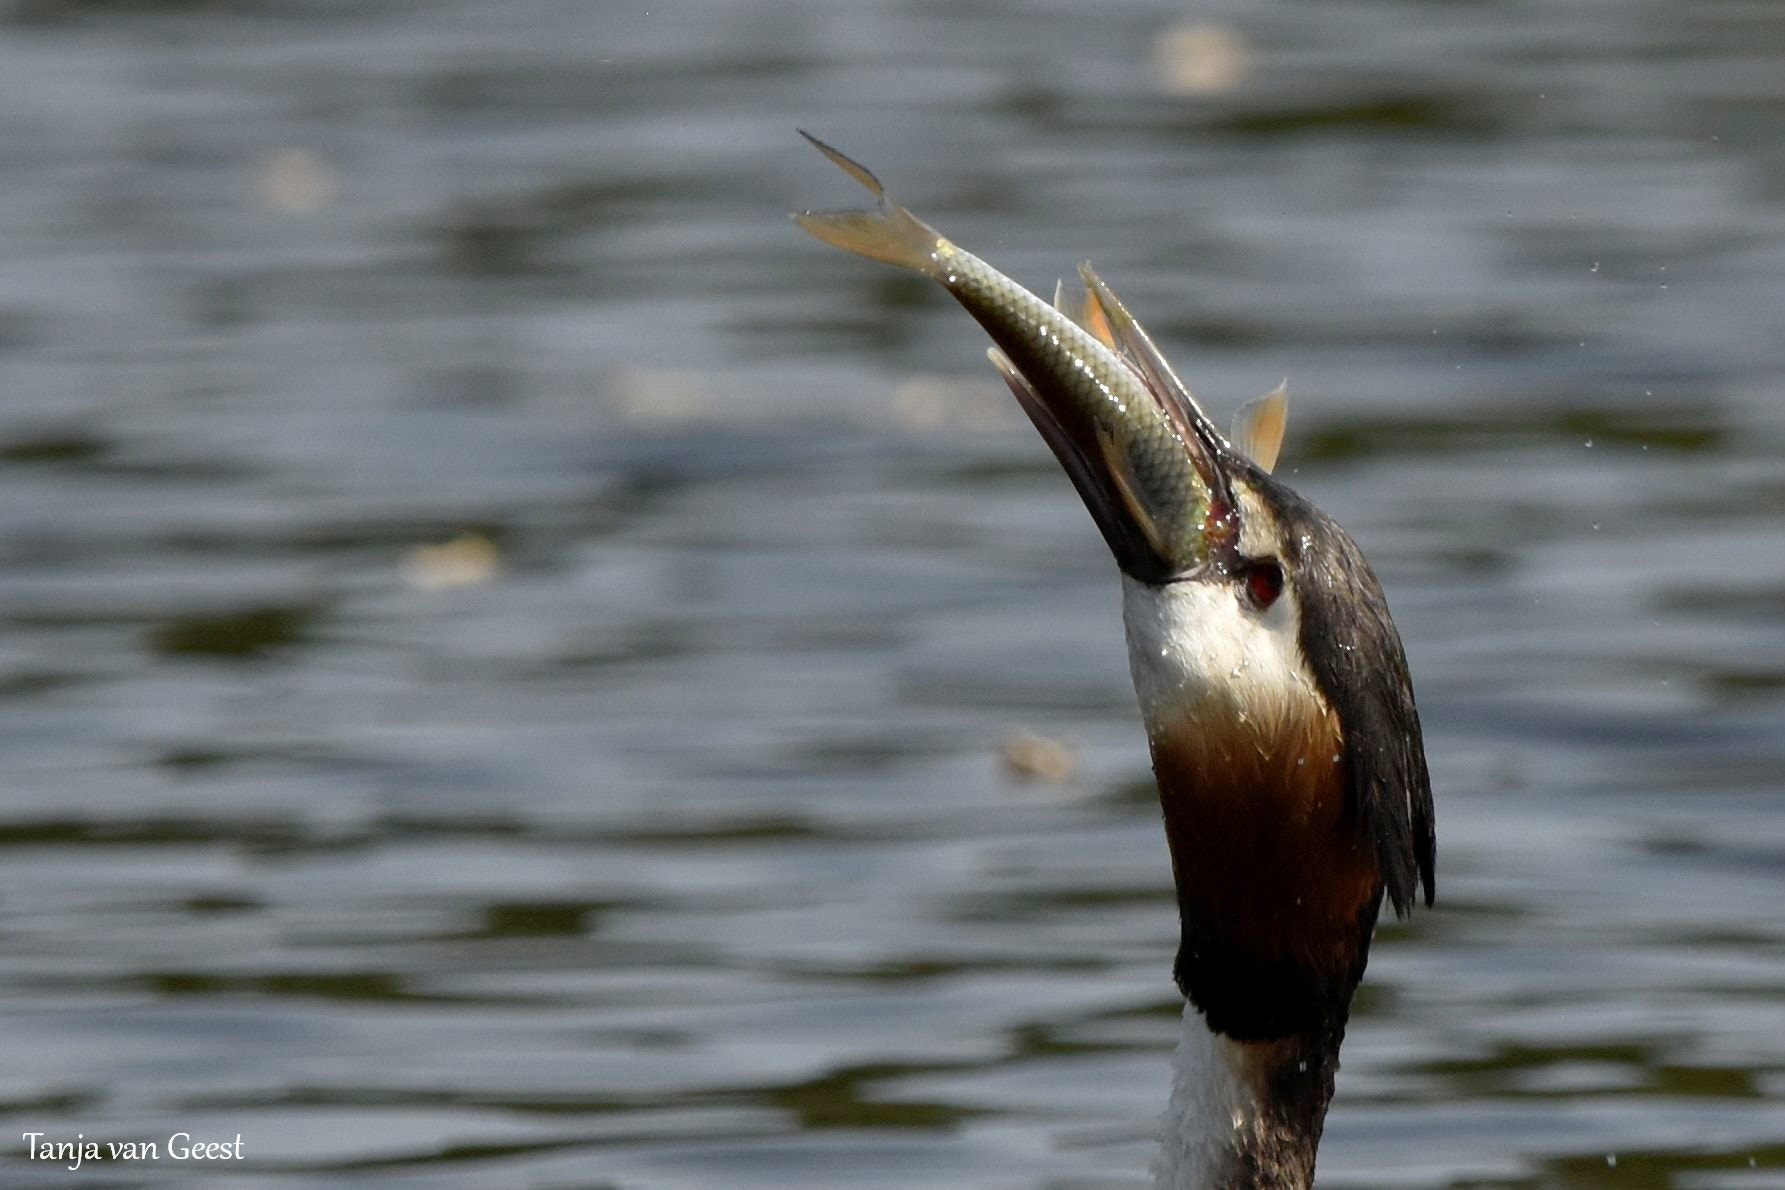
(1278, 706)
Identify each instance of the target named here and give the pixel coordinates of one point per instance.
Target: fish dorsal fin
(1092, 317)
(1258, 427)
(1086, 314)
(1136, 346)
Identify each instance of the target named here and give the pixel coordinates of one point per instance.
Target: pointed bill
(1126, 525)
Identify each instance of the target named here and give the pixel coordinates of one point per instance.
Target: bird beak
(1160, 531)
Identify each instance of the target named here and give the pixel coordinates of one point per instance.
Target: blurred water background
(520, 669)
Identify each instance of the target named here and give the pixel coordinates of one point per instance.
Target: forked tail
(888, 233)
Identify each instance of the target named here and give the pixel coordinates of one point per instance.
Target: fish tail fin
(886, 233)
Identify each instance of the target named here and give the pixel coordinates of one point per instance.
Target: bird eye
(1264, 582)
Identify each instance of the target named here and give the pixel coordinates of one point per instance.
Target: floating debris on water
(295, 180)
(659, 396)
(466, 561)
(1197, 58)
(1030, 756)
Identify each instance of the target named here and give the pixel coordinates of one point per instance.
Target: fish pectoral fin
(1128, 337)
(1258, 426)
(1085, 313)
(1119, 470)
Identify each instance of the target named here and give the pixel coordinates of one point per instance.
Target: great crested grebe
(1278, 709)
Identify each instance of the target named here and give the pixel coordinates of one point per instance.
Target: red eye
(1264, 582)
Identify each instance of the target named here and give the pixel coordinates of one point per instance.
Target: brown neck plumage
(1278, 892)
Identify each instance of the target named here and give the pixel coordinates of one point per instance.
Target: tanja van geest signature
(181, 1146)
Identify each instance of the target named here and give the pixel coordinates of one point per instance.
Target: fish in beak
(1272, 681)
(1150, 466)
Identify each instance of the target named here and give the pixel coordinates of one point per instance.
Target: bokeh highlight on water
(516, 664)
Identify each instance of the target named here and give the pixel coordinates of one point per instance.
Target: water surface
(657, 832)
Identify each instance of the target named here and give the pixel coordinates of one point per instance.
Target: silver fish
(1142, 454)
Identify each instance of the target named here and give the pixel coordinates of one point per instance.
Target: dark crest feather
(1358, 661)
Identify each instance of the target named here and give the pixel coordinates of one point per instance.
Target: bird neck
(1245, 1115)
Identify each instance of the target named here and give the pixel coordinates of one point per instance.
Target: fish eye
(1264, 582)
